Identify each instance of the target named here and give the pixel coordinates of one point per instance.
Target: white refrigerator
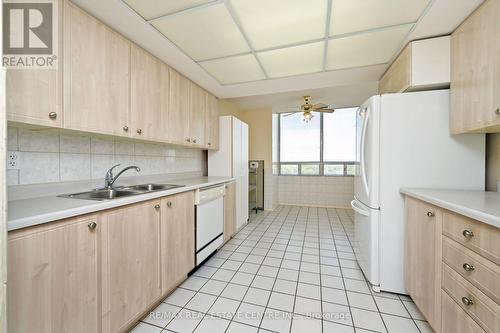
(231, 160)
(404, 140)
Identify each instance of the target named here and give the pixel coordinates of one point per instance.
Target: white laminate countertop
(28, 212)
(479, 205)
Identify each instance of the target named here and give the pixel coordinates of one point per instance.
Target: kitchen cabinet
(212, 122)
(456, 320)
(53, 277)
(475, 71)
(423, 64)
(230, 211)
(197, 115)
(96, 75)
(34, 96)
(423, 258)
(177, 239)
(131, 280)
(179, 105)
(148, 96)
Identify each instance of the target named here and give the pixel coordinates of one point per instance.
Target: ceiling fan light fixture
(307, 117)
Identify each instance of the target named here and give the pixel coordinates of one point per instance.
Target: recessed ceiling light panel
(349, 16)
(150, 9)
(234, 69)
(302, 59)
(272, 23)
(204, 33)
(365, 49)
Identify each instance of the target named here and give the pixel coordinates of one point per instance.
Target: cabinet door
(178, 108)
(97, 75)
(53, 277)
(212, 122)
(475, 71)
(197, 115)
(423, 258)
(130, 263)
(230, 211)
(177, 239)
(148, 95)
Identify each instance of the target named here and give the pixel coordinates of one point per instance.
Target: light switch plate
(13, 160)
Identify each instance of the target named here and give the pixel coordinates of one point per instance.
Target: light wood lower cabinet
(177, 239)
(230, 211)
(131, 280)
(455, 320)
(423, 258)
(54, 277)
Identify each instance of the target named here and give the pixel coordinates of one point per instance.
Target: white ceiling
(252, 47)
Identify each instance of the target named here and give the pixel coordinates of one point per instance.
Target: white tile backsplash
(49, 155)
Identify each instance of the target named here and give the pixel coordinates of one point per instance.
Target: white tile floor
(290, 270)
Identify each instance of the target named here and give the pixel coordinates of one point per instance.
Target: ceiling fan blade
(319, 106)
(289, 114)
(326, 110)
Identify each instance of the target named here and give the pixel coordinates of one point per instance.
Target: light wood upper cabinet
(34, 96)
(130, 263)
(96, 74)
(148, 95)
(423, 64)
(53, 277)
(423, 258)
(230, 211)
(475, 71)
(178, 108)
(197, 116)
(212, 122)
(177, 238)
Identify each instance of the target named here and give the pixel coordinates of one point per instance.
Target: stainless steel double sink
(120, 192)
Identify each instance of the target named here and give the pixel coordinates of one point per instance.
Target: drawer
(482, 309)
(482, 273)
(479, 237)
(455, 320)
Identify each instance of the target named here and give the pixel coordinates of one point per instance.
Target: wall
(51, 155)
(316, 191)
(492, 161)
(228, 108)
(259, 134)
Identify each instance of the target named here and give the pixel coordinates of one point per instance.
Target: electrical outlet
(13, 162)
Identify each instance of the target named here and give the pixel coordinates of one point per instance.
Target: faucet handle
(110, 171)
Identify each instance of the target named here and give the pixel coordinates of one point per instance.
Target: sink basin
(152, 187)
(120, 192)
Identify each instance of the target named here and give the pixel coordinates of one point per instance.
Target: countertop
(478, 205)
(32, 211)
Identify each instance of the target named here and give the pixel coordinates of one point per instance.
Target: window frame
(321, 162)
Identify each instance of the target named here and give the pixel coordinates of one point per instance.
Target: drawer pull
(430, 214)
(125, 128)
(92, 226)
(157, 206)
(52, 115)
(169, 204)
(468, 233)
(468, 267)
(467, 301)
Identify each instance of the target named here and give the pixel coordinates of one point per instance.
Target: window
(326, 146)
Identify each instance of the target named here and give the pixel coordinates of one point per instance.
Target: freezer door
(366, 180)
(366, 240)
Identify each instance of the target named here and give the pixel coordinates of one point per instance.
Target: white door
(366, 180)
(366, 240)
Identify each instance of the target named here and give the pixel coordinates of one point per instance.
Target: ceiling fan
(307, 109)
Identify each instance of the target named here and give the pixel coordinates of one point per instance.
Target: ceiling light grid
(239, 41)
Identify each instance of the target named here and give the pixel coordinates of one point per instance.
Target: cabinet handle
(139, 131)
(194, 140)
(209, 143)
(188, 140)
(52, 115)
(157, 206)
(467, 301)
(169, 204)
(468, 267)
(92, 225)
(430, 214)
(468, 233)
(125, 128)
(497, 111)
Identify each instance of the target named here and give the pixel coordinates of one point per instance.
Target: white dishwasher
(209, 203)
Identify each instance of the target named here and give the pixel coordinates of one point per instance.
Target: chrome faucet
(109, 179)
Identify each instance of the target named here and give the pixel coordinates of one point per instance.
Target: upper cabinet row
(111, 86)
(475, 71)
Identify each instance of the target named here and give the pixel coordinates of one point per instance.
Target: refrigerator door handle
(362, 155)
(358, 209)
